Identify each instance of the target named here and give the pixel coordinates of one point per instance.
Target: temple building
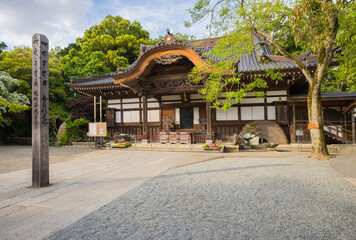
(154, 94)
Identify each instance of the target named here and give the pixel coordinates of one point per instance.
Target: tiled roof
(247, 64)
(338, 94)
(251, 63)
(104, 81)
(328, 95)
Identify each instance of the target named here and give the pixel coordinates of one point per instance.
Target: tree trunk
(319, 149)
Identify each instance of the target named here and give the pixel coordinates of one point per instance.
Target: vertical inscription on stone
(40, 131)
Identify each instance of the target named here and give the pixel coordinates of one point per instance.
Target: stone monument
(40, 128)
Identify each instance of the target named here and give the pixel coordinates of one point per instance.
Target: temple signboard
(97, 129)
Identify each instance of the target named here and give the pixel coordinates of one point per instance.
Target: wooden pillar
(265, 108)
(140, 102)
(94, 108)
(208, 119)
(294, 136)
(101, 109)
(101, 118)
(95, 117)
(145, 117)
(121, 113)
(341, 123)
(353, 113)
(40, 102)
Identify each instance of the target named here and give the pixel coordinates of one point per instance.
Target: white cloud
(62, 21)
(155, 16)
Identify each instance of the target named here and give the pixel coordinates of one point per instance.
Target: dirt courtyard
(14, 158)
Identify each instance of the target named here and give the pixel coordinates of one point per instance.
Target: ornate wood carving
(145, 60)
(168, 59)
(167, 124)
(165, 82)
(203, 123)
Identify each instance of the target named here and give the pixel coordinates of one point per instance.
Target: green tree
(59, 52)
(18, 63)
(10, 101)
(3, 47)
(346, 39)
(314, 25)
(114, 43)
(75, 131)
(57, 115)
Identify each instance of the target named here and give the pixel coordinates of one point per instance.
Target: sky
(62, 21)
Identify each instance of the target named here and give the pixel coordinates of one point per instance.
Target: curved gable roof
(197, 51)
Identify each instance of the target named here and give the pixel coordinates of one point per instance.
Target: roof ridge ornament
(169, 39)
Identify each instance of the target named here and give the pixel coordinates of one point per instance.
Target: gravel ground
(293, 197)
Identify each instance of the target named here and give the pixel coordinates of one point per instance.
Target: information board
(299, 132)
(97, 129)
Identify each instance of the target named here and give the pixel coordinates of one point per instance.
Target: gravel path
(291, 197)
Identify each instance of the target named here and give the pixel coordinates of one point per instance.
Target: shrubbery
(75, 131)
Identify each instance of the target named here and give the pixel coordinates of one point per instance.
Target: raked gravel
(287, 197)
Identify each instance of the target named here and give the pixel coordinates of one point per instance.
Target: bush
(64, 139)
(74, 131)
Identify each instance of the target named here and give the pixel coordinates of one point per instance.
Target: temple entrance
(186, 118)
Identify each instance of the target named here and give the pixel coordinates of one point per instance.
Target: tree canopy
(313, 26)
(346, 39)
(114, 43)
(18, 64)
(3, 46)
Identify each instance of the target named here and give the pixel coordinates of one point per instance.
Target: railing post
(135, 142)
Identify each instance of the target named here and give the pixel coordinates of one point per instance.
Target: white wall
(177, 116)
(252, 113)
(196, 115)
(271, 112)
(153, 115)
(118, 117)
(131, 116)
(230, 115)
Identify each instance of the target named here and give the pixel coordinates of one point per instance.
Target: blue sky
(62, 21)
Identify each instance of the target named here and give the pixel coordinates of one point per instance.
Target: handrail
(337, 126)
(345, 133)
(329, 122)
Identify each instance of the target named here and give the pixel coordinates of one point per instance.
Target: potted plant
(217, 145)
(122, 143)
(119, 136)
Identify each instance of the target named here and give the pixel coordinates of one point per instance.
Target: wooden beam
(190, 89)
(265, 106)
(121, 112)
(294, 136)
(94, 108)
(101, 109)
(140, 102)
(145, 117)
(353, 113)
(208, 119)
